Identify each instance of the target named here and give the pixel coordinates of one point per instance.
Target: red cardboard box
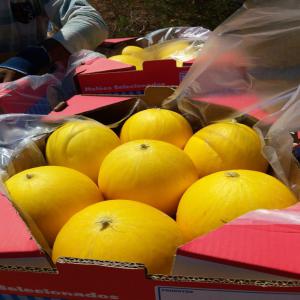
(87, 279)
(105, 76)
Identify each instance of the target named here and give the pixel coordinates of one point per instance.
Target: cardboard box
(87, 279)
(105, 76)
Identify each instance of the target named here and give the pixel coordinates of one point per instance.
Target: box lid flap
(102, 65)
(115, 41)
(263, 246)
(239, 102)
(16, 239)
(79, 104)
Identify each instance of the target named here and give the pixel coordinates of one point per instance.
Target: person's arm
(81, 27)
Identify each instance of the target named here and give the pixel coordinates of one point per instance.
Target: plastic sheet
(22, 141)
(172, 33)
(254, 52)
(289, 216)
(179, 43)
(28, 94)
(39, 94)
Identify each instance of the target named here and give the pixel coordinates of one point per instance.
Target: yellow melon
(121, 230)
(225, 146)
(157, 124)
(132, 50)
(129, 59)
(172, 48)
(149, 171)
(223, 196)
(50, 195)
(81, 145)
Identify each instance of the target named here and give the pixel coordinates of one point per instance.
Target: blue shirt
(25, 22)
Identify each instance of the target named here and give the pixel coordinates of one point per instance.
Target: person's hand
(7, 75)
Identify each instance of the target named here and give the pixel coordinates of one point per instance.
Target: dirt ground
(136, 17)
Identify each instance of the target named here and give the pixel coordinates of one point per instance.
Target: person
(25, 48)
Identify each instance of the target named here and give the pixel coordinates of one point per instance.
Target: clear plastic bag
(275, 130)
(67, 87)
(39, 94)
(171, 33)
(23, 139)
(179, 43)
(254, 52)
(290, 216)
(28, 94)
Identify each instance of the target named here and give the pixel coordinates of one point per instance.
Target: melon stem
(232, 174)
(105, 223)
(144, 146)
(29, 176)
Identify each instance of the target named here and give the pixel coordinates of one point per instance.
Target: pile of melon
(180, 50)
(138, 196)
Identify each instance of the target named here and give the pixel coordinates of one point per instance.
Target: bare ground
(136, 17)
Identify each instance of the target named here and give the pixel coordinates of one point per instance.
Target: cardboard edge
(217, 282)
(101, 263)
(228, 281)
(76, 261)
(28, 269)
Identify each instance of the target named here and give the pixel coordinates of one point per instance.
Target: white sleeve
(81, 26)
